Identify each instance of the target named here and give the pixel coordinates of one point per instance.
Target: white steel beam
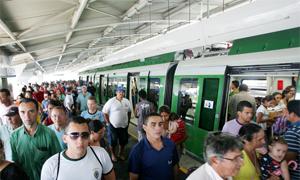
(86, 28)
(102, 12)
(44, 21)
(75, 19)
(11, 35)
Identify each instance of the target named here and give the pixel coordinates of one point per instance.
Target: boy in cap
(14, 121)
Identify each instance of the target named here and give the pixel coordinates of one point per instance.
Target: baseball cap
(12, 111)
(120, 89)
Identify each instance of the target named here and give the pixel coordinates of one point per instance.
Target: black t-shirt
(13, 172)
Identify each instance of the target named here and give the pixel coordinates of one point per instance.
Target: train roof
(218, 63)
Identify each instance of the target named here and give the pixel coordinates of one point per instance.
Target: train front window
(153, 95)
(187, 99)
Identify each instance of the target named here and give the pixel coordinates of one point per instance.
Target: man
(45, 102)
(32, 144)
(59, 118)
(223, 156)
(92, 112)
(154, 157)
(292, 137)
(14, 121)
(5, 102)
(52, 103)
(234, 86)
(82, 99)
(117, 114)
(69, 101)
(243, 95)
(79, 161)
(142, 109)
(91, 89)
(244, 116)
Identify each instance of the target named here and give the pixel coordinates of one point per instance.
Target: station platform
(121, 167)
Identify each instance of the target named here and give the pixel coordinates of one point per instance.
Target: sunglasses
(76, 135)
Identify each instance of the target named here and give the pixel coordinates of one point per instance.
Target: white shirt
(87, 168)
(68, 102)
(3, 111)
(117, 111)
(265, 112)
(205, 172)
(5, 132)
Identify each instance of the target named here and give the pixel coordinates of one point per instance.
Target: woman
(288, 94)
(60, 95)
(9, 170)
(280, 125)
(97, 133)
(164, 112)
(253, 137)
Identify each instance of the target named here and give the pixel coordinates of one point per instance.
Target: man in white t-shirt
(79, 161)
(117, 114)
(5, 103)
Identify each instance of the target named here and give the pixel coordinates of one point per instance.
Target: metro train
(197, 87)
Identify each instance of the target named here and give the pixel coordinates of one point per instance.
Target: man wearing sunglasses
(223, 156)
(32, 144)
(79, 161)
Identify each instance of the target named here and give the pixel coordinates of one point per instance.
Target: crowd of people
(58, 128)
(57, 131)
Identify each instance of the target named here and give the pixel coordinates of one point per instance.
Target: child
(177, 132)
(273, 163)
(176, 128)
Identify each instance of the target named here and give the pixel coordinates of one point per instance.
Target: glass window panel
(187, 99)
(154, 90)
(257, 87)
(115, 82)
(143, 84)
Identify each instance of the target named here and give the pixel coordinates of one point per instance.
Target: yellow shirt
(248, 170)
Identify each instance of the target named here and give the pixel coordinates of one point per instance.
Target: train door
(197, 98)
(169, 84)
(133, 88)
(102, 89)
(265, 80)
(87, 79)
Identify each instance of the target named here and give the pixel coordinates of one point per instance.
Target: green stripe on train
(266, 42)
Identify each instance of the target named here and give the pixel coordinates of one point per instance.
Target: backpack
(58, 162)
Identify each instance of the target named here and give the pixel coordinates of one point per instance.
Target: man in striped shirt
(292, 136)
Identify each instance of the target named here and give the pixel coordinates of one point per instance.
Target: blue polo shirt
(150, 163)
(292, 137)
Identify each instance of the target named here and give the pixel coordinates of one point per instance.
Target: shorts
(117, 134)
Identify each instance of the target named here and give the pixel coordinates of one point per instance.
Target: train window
(187, 99)
(153, 95)
(143, 84)
(114, 83)
(257, 87)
